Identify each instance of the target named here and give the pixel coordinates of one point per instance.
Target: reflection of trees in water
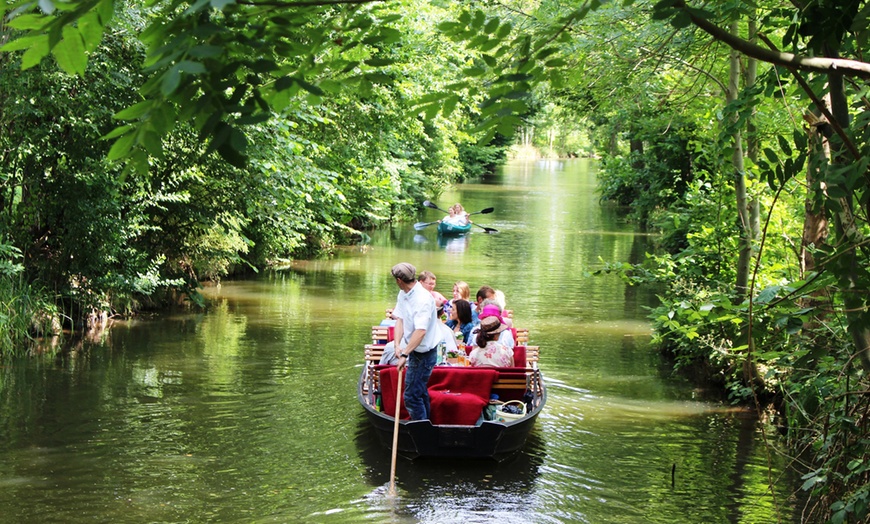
(476, 483)
(637, 297)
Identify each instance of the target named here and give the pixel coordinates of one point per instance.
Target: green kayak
(446, 228)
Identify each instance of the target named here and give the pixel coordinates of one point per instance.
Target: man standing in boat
(417, 336)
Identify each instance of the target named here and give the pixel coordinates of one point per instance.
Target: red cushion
(455, 408)
(520, 356)
(457, 394)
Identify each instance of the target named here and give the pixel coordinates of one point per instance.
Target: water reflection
(455, 243)
(454, 491)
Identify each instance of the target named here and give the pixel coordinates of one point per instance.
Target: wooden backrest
(374, 352)
(382, 334)
(522, 336)
(532, 355)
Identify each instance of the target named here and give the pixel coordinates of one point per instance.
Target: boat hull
(486, 440)
(446, 228)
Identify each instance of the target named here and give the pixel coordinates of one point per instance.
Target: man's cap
(404, 272)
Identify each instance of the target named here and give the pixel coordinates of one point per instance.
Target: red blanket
(457, 394)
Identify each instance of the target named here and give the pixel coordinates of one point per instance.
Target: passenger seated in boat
(506, 337)
(461, 291)
(484, 293)
(489, 351)
(495, 303)
(460, 319)
(427, 280)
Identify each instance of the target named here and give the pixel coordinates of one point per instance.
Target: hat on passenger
(404, 272)
(490, 310)
(492, 325)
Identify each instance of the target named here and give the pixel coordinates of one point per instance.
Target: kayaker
(457, 216)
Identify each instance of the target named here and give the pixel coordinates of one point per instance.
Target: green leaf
(70, 52)
(474, 71)
(189, 66)
(311, 88)
(121, 147)
(152, 143)
(491, 26)
(91, 30)
(479, 18)
(105, 9)
(28, 22)
(205, 51)
(118, 131)
(379, 62)
(37, 51)
(431, 111)
(133, 112)
(681, 20)
(450, 105)
(171, 79)
(783, 143)
(379, 78)
(25, 42)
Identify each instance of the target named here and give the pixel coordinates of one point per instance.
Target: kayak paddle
(423, 225)
(487, 229)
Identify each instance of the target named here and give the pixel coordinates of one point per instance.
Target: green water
(247, 412)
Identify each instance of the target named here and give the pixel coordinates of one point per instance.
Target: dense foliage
(98, 235)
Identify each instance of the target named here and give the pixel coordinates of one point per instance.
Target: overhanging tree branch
(304, 3)
(805, 63)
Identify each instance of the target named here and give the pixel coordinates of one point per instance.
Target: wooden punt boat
(446, 228)
(455, 430)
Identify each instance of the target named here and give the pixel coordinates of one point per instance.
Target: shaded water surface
(247, 412)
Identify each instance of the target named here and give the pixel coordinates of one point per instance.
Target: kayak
(447, 228)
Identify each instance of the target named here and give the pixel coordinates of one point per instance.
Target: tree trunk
(848, 234)
(744, 222)
(752, 141)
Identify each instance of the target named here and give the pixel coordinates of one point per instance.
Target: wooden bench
(508, 383)
(383, 334)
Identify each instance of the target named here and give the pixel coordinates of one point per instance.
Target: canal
(247, 412)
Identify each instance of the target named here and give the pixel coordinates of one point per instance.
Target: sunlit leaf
(121, 147)
(28, 22)
(35, 53)
(134, 111)
(171, 79)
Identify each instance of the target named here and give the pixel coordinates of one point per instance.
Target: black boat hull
(486, 440)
